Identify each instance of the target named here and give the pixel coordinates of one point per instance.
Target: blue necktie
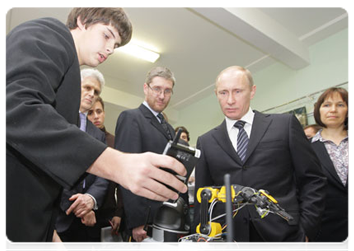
(83, 128)
(82, 122)
(242, 140)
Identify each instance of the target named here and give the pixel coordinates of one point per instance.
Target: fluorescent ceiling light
(139, 51)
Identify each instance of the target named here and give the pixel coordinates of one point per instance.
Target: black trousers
(77, 232)
(256, 241)
(254, 236)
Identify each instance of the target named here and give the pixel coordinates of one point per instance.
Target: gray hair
(90, 72)
(159, 71)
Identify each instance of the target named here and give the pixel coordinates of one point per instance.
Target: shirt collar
(85, 113)
(248, 118)
(147, 105)
(318, 137)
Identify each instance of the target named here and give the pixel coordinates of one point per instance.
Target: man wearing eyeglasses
(145, 130)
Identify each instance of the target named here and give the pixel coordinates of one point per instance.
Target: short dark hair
(99, 99)
(183, 130)
(329, 92)
(113, 16)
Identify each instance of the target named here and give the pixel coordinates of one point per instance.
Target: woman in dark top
(331, 147)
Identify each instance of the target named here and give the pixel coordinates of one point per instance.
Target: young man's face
(97, 115)
(184, 136)
(90, 89)
(96, 43)
(234, 94)
(158, 93)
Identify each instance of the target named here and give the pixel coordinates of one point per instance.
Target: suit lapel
(89, 129)
(326, 161)
(222, 138)
(260, 125)
(153, 120)
(349, 167)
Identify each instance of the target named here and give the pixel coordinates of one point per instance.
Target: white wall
(278, 84)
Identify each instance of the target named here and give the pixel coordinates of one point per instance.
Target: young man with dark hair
(45, 150)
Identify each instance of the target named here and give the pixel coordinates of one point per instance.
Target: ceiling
(197, 43)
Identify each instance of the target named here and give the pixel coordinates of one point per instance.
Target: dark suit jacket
(280, 160)
(95, 186)
(113, 203)
(109, 137)
(139, 131)
(45, 150)
(334, 224)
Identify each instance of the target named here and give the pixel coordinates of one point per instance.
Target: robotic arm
(241, 196)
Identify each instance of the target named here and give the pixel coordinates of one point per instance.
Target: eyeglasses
(158, 91)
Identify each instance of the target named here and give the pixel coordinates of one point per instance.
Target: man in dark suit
(269, 152)
(77, 220)
(45, 151)
(141, 130)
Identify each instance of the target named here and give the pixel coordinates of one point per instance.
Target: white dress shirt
(153, 112)
(233, 131)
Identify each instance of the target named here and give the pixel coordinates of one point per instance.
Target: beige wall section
(278, 84)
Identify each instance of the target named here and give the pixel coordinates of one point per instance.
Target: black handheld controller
(187, 155)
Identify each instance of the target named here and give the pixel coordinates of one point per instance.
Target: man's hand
(140, 173)
(57, 244)
(139, 234)
(115, 223)
(89, 219)
(82, 205)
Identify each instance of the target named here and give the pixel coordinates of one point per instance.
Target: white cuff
(95, 207)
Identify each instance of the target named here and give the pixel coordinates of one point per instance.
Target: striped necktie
(242, 140)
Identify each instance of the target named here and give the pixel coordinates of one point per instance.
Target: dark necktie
(164, 125)
(242, 140)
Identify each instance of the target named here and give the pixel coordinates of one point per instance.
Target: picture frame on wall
(301, 115)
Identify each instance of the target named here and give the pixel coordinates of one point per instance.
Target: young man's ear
(80, 24)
